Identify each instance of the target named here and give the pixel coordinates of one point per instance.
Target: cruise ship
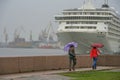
(88, 25)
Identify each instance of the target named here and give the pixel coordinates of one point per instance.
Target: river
(18, 52)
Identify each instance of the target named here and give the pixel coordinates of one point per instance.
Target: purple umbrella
(67, 46)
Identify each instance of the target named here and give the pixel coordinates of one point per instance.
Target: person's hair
(71, 46)
(94, 47)
(73, 49)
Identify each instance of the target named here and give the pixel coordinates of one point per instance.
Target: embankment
(41, 63)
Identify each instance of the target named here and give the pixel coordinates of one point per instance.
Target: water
(17, 52)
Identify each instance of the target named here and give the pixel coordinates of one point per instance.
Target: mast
(89, 1)
(40, 35)
(5, 35)
(106, 2)
(49, 28)
(31, 36)
(16, 34)
(88, 4)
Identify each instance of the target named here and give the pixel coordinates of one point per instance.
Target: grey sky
(36, 14)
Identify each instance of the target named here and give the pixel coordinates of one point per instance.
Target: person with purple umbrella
(72, 58)
(70, 48)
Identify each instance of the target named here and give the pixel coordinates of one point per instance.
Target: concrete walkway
(46, 75)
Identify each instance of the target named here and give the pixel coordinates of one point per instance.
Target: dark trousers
(72, 63)
(94, 65)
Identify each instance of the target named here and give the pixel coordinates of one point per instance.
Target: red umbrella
(98, 45)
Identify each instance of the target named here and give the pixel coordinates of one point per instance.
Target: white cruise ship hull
(85, 39)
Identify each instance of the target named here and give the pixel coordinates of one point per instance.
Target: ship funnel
(105, 5)
(88, 5)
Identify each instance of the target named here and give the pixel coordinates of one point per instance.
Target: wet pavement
(115, 70)
(38, 77)
(48, 75)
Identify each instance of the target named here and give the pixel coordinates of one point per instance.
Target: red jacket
(94, 52)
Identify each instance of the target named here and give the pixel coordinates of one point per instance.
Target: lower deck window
(80, 27)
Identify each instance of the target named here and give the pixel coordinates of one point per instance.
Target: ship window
(81, 27)
(109, 13)
(59, 22)
(67, 22)
(66, 27)
(69, 13)
(76, 22)
(98, 13)
(72, 27)
(85, 13)
(102, 13)
(100, 18)
(81, 13)
(88, 27)
(91, 13)
(74, 13)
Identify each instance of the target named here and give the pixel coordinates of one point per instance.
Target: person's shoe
(73, 69)
(93, 67)
(69, 69)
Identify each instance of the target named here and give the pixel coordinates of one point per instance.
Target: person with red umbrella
(94, 53)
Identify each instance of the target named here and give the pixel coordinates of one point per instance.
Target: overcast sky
(36, 14)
